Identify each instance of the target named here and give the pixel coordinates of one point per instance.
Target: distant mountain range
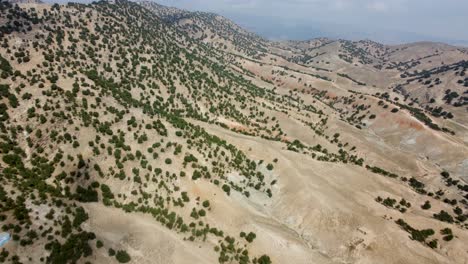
(286, 30)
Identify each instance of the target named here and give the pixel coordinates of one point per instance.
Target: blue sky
(389, 21)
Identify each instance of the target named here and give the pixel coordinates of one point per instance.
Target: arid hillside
(138, 133)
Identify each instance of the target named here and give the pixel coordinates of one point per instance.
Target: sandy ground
(320, 213)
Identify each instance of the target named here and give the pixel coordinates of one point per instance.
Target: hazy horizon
(393, 22)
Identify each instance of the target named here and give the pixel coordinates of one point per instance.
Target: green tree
(122, 256)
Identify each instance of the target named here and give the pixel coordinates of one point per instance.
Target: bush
(432, 243)
(122, 256)
(201, 212)
(80, 217)
(196, 175)
(264, 260)
(444, 217)
(227, 189)
(75, 247)
(13, 100)
(418, 235)
(12, 159)
(5, 65)
(426, 205)
(250, 237)
(448, 237)
(99, 244)
(86, 195)
(106, 192)
(270, 166)
(190, 158)
(389, 202)
(416, 184)
(447, 233)
(445, 174)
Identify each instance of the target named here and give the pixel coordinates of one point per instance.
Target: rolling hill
(137, 133)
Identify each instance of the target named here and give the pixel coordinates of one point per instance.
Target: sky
(386, 21)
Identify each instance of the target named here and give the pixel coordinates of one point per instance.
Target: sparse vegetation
(135, 109)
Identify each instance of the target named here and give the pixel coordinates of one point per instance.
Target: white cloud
(378, 6)
(340, 4)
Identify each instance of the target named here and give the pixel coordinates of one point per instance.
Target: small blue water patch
(4, 238)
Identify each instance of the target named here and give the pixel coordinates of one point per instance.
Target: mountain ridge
(126, 137)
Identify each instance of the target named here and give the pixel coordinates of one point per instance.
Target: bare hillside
(139, 133)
